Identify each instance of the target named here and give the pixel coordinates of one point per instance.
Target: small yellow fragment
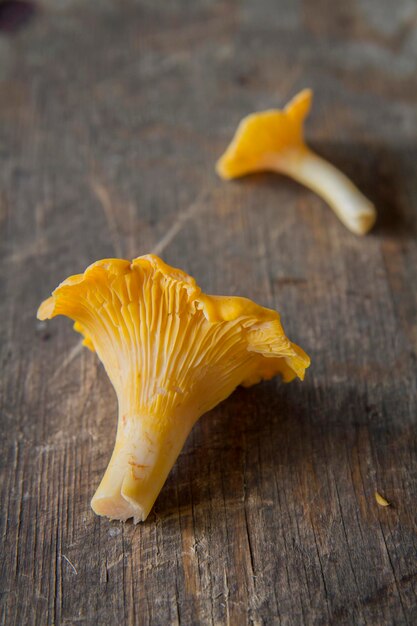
(380, 500)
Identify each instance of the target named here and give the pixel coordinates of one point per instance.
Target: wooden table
(112, 116)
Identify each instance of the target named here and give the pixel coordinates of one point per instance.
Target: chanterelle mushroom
(171, 353)
(274, 141)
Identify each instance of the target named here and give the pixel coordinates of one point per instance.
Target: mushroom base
(142, 458)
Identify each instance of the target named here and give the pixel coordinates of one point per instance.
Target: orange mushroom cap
(260, 137)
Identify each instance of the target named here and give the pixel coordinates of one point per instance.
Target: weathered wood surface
(111, 118)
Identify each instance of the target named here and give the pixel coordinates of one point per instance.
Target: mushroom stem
(355, 211)
(142, 458)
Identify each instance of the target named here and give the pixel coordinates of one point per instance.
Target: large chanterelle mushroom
(171, 353)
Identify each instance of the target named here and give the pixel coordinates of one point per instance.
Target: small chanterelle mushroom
(274, 141)
(172, 353)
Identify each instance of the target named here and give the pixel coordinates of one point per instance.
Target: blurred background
(112, 116)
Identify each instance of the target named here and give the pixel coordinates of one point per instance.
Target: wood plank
(111, 119)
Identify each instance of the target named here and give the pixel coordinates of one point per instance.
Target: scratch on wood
(226, 595)
(38, 247)
(109, 566)
(76, 350)
(104, 572)
(394, 574)
(72, 566)
(191, 211)
(109, 210)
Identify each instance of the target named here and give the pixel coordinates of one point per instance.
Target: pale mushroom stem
(356, 212)
(139, 466)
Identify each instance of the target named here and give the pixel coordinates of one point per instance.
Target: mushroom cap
(262, 137)
(158, 335)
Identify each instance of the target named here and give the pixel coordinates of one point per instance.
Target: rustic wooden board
(111, 118)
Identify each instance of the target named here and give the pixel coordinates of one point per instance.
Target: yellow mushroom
(172, 353)
(274, 141)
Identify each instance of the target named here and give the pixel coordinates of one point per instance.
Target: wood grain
(112, 115)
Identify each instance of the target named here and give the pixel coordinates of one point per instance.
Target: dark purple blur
(14, 14)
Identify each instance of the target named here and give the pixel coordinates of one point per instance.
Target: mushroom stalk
(139, 466)
(353, 209)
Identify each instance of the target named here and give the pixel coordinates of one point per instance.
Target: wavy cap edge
(255, 318)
